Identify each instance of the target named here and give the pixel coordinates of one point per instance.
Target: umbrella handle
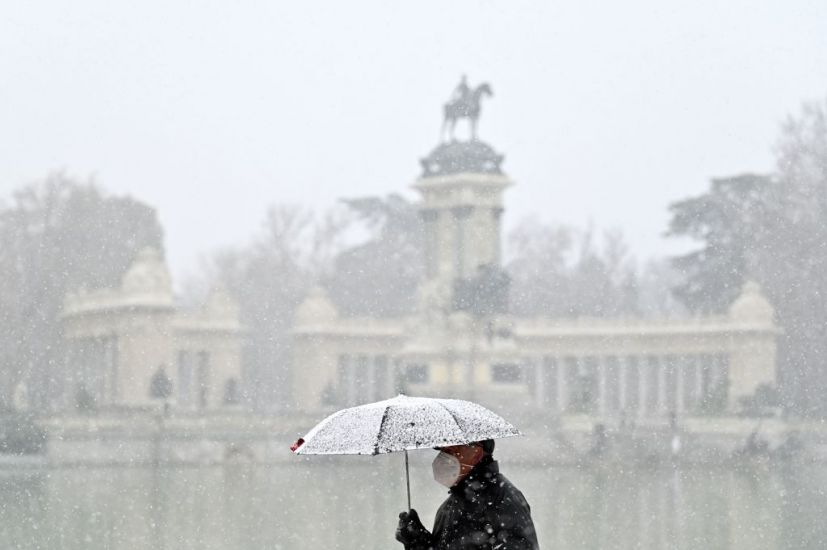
(408, 480)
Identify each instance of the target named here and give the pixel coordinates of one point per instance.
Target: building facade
(622, 368)
(130, 347)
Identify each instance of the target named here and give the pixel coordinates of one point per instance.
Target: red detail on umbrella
(295, 446)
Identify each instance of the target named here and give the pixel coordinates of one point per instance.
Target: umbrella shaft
(408, 480)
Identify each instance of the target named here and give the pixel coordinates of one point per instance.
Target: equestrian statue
(464, 103)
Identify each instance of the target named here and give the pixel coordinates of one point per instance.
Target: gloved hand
(411, 532)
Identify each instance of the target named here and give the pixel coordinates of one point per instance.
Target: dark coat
(484, 511)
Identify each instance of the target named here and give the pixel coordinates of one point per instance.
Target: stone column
(643, 388)
(116, 370)
(699, 382)
(350, 379)
(551, 382)
(602, 402)
(370, 378)
(540, 375)
(636, 388)
(494, 239)
(622, 373)
(380, 377)
(67, 382)
(393, 374)
(661, 373)
(461, 215)
(430, 217)
(562, 388)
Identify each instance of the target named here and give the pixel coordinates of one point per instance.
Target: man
(483, 508)
(460, 92)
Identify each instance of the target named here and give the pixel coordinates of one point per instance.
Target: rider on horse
(464, 103)
(461, 92)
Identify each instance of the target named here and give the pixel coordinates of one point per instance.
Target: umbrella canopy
(402, 424)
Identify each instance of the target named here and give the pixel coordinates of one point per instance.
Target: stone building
(131, 346)
(610, 368)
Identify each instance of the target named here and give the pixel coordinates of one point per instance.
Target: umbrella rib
(454, 418)
(379, 431)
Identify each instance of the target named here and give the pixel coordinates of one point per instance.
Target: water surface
(352, 503)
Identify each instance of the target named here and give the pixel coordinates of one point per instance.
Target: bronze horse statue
(465, 107)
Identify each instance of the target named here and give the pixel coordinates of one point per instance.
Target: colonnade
(634, 385)
(605, 385)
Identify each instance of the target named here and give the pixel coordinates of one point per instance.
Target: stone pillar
(350, 380)
(370, 378)
(385, 376)
(562, 387)
(622, 374)
(461, 214)
(494, 235)
(538, 392)
(430, 217)
(631, 386)
(661, 374)
(643, 388)
(752, 355)
(551, 380)
(602, 402)
(394, 374)
(680, 366)
(116, 367)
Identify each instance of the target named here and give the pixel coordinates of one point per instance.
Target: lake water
(353, 502)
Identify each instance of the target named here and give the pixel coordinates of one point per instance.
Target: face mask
(446, 469)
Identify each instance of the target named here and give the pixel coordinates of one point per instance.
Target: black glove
(411, 532)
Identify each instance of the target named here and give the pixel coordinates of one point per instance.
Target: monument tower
(456, 333)
(461, 186)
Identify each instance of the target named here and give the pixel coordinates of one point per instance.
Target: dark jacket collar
(483, 474)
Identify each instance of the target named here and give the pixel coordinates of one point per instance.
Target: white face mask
(446, 469)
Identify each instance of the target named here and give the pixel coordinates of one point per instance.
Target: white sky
(606, 111)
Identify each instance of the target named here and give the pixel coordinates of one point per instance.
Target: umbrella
(402, 424)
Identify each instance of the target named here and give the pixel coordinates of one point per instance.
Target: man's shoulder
(505, 489)
(505, 482)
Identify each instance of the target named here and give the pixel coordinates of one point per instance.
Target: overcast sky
(210, 111)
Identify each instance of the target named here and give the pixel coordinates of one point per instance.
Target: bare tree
(559, 271)
(269, 278)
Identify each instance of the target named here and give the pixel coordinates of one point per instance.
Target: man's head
(487, 446)
(455, 462)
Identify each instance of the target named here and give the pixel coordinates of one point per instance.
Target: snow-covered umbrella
(402, 424)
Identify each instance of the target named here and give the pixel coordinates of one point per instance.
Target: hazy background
(210, 111)
(223, 116)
